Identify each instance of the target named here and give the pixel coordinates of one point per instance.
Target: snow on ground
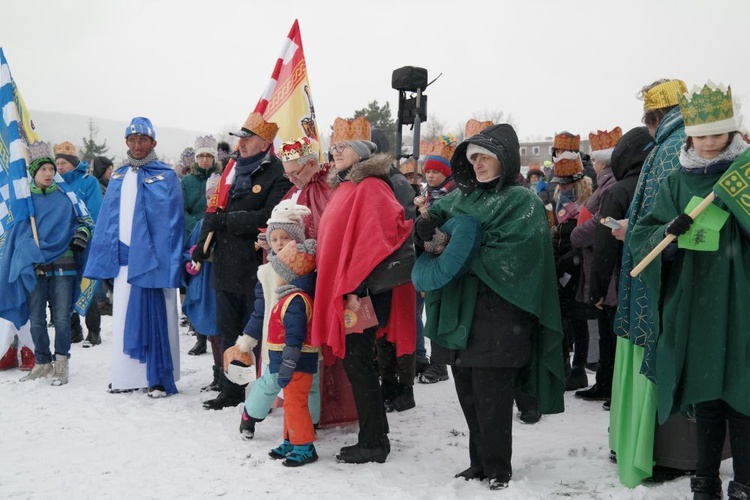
(78, 441)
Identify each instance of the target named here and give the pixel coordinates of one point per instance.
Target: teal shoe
(281, 451)
(301, 455)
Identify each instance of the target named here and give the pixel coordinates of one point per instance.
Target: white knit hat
(289, 216)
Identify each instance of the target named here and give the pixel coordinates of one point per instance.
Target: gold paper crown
(408, 168)
(357, 129)
(297, 259)
(664, 95)
(39, 149)
(473, 127)
(565, 141)
(260, 127)
(604, 140)
(708, 110)
(66, 148)
(296, 149)
(437, 148)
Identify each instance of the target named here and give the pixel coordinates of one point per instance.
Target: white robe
(129, 373)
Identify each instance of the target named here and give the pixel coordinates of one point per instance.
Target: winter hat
(534, 171)
(603, 142)
(140, 125)
(289, 216)
(294, 260)
(364, 149)
(439, 164)
(664, 95)
(206, 144)
(568, 167)
(101, 164)
(473, 149)
(255, 124)
(67, 151)
(39, 154)
(381, 140)
(708, 110)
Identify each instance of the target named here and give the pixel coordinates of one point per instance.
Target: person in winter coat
(363, 223)
(194, 200)
(643, 448)
(582, 238)
(102, 169)
(572, 190)
(505, 301)
(61, 234)
(258, 185)
(75, 173)
(703, 339)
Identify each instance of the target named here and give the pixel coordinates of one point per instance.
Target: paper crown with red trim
(294, 150)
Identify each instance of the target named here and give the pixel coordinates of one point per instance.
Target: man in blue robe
(138, 244)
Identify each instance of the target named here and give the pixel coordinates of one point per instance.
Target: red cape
(361, 225)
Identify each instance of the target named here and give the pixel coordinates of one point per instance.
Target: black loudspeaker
(409, 79)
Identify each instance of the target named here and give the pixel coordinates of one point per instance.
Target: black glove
(680, 225)
(198, 255)
(215, 222)
(80, 241)
(39, 270)
(425, 228)
(289, 358)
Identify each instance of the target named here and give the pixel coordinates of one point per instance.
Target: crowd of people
(311, 278)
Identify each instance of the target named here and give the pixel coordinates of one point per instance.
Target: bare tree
(495, 116)
(433, 130)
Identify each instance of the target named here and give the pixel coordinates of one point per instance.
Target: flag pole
(670, 237)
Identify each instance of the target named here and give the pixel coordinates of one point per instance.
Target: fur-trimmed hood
(377, 165)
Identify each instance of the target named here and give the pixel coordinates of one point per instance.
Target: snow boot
(215, 384)
(10, 359)
(389, 391)
(247, 425)
(231, 395)
(421, 364)
(41, 370)
(300, 455)
(705, 488)
(28, 360)
(404, 401)
(472, 472)
(60, 372)
(738, 491)
(76, 332)
(595, 393)
(281, 451)
(93, 338)
(434, 373)
(358, 455)
(577, 379)
(530, 416)
(199, 347)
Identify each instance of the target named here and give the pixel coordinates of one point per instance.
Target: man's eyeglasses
(289, 175)
(339, 148)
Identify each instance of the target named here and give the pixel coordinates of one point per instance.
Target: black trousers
(486, 398)
(711, 419)
(359, 364)
(393, 368)
(93, 319)
(607, 344)
(232, 312)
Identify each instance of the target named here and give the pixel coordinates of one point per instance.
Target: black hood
(501, 140)
(630, 153)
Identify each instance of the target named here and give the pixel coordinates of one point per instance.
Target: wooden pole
(670, 237)
(206, 245)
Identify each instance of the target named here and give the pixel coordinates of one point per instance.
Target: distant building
(538, 151)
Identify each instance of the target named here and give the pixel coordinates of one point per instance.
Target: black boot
(705, 488)
(738, 491)
(215, 384)
(231, 395)
(389, 391)
(404, 401)
(577, 379)
(93, 338)
(199, 347)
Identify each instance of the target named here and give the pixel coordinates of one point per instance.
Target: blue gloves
(289, 357)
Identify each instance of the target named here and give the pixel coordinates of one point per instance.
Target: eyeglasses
(289, 175)
(138, 139)
(339, 148)
(204, 156)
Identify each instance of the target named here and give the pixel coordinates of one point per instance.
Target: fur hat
(439, 164)
(255, 124)
(294, 260)
(140, 125)
(289, 216)
(39, 154)
(206, 144)
(535, 170)
(67, 151)
(100, 165)
(603, 143)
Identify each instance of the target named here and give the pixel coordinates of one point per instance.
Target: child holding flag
(702, 286)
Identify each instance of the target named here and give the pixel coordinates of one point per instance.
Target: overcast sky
(554, 65)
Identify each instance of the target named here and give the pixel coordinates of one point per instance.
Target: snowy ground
(78, 441)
